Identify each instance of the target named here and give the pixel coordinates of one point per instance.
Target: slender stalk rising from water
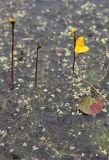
(74, 57)
(37, 56)
(12, 21)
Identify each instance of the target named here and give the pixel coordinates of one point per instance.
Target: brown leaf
(91, 106)
(97, 107)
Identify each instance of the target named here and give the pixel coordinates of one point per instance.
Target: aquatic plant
(12, 22)
(78, 46)
(37, 55)
(91, 106)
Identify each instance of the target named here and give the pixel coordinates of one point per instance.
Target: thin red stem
(74, 57)
(37, 56)
(36, 67)
(12, 60)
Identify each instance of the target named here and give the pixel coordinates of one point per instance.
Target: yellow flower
(11, 20)
(73, 30)
(80, 47)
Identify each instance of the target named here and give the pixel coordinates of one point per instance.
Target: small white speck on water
(90, 136)
(17, 88)
(79, 133)
(22, 128)
(17, 109)
(70, 133)
(42, 108)
(82, 154)
(43, 130)
(35, 148)
(50, 99)
(52, 95)
(73, 113)
(18, 85)
(79, 113)
(3, 133)
(58, 90)
(45, 90)
(20, 80)
(67, 104)
(72, 147)
(2, 144)
(11, 150)
(52, 69)
(24, 144)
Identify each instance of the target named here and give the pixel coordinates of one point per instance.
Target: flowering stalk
(74, 56)
(78, 46)
(37, 55)
(12, 22)
(73, 32)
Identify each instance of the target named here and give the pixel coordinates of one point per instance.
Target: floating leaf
(91, 106)
(97, 107)
(85, 104)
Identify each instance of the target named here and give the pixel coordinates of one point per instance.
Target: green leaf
(3, 58)
(85, 104)
(68, 53)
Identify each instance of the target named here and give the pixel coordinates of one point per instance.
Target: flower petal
(81, 49)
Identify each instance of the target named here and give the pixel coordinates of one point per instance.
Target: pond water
(43, 123)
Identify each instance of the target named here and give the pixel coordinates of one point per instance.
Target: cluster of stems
(12, 22)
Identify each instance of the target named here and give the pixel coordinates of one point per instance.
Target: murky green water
(43, 123)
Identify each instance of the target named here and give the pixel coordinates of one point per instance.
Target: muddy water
(44, 123)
